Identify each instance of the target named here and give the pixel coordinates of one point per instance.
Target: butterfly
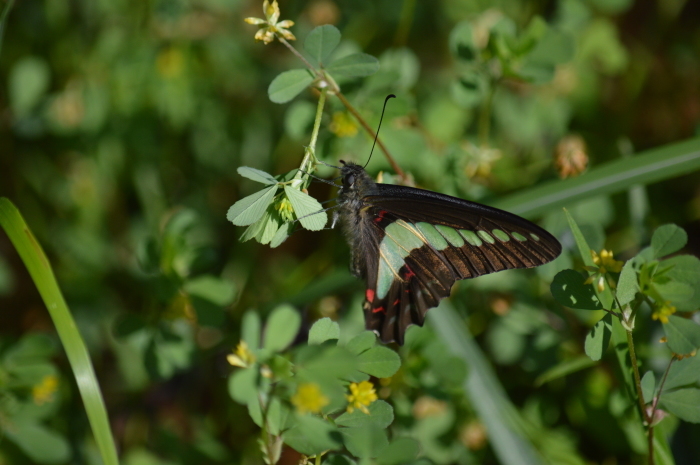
(411, 245)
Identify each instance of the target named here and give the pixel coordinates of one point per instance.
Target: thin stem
(661, 386)
(299, 55)
(637, 379)
(318, 459)
(266, 430)
(397, 169)
(485, 116)
(309, 162)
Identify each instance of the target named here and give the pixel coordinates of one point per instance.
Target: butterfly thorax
(357, 184)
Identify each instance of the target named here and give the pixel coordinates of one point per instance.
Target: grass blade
(616, 176)
(40, 270)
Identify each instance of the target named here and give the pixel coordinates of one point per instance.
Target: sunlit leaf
(365, 442)
(381, 414)
(379, 361)
(250, 209)
(399, 451)
(289, 84)
(648, 385)
(308, 210)
(311, 435)
(256, 175)
(684, 403)
(323, 330)
(667, 239)
(356, 65)
(321, 42)
(363, 341)
(683, 335)
(282, 327)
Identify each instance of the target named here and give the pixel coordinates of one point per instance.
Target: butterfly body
(410, 246)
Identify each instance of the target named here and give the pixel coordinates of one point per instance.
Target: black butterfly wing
(421, 242)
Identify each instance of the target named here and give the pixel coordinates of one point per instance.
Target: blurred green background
(122, 124)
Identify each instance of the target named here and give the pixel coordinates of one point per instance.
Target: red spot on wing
(396, 302)
(378, 310)
(369, 294)
(379, 218)
(408, 274)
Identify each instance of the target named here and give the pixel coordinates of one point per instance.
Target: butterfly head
(355, 178)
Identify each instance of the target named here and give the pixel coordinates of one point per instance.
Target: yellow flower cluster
(243, 357)
(44, 391)
(285, 209)
(343, 125)
(270, 26)
(309, 398)
(361, 395)
(664, 312)
(606, 262)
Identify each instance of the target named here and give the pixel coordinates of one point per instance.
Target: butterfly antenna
(379, 127)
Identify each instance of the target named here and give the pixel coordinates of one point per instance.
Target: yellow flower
(480, 160)
(44, 391)
(269, 27)
(664, 312)
(361, 395)
(243, 357)
(309, 398)
(342, 125)
(285, 209)
(606, 262)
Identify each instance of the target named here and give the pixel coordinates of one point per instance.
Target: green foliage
(129, 132)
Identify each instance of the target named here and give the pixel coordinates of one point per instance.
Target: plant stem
(485, 116)
(640, 397)
(309, 162)
(298, 55)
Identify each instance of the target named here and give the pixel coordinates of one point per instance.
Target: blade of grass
(501, 418)
(616, 176)
(40, 270)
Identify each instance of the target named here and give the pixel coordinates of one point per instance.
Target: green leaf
(321, 42)
(289, 84)
(683, 373)
(683, 335)
(355, 65)
(243, 385)
(685, 269)
(380, 414)
(675, 291)
(469, 89)
(366, 442)
(282, 327)
(323, 330)
(216, 290)
(311, 435)
(250, 329)
(307, 209)
(278, 416)
(648, 386)
(627, 285)
(38, 442)
(462, 41)
(667, 239)
(379, 362)
(363, 341)
(564, 368)
(400, 451)
(598, 339)
(684, 403)
(256, 175)
(28, 82)
(570, 290)
(281, 235)
(250, 209)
